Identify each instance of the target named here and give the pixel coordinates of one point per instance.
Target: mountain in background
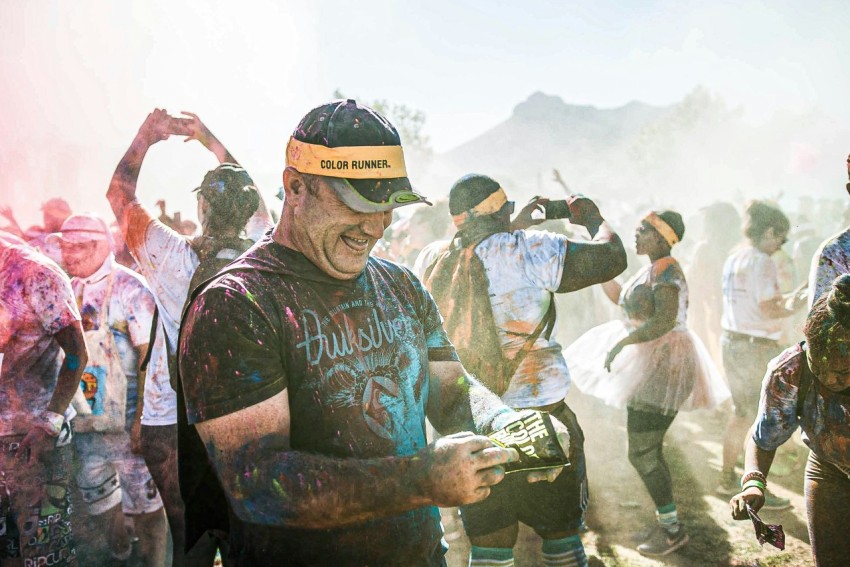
(545, 129)
(684, 155)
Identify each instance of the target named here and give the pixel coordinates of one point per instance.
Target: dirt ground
(620, 507)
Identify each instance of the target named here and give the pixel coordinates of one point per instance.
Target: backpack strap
(143, 367)
(547, 324)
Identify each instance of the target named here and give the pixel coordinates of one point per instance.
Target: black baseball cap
(360, 150)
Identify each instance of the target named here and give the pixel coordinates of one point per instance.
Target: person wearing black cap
(173, 265)
(519, 270)
(309, 367)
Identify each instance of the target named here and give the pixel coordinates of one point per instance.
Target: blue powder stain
(73, 361)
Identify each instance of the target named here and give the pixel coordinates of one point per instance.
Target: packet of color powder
(535, 439)
(770, 533)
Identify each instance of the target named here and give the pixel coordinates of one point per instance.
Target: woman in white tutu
(651, 364)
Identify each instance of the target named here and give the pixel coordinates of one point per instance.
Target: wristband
(757, 483)
(753, 475)
(50, 422)
(502, 417)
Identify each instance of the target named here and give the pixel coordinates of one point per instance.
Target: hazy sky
(79, 77)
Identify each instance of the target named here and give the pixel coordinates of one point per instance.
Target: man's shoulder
(788, 365)
(258, 273)
(836, 244)
(35, 267)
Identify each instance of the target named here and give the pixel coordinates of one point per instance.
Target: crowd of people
(312, 390)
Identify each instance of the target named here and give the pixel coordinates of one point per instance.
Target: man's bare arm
(269, 483)
(457, 401)
(38, 443)
(122, 188)
(72, 341)
(588, 263)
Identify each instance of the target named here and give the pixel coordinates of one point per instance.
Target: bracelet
(497, 421)
(50, 422)
(757, 475)
(757, 483)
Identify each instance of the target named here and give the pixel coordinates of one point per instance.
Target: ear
(294, 185)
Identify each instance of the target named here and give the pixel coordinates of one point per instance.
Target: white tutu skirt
(672, 373)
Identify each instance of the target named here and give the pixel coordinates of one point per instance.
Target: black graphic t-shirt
(353, 356)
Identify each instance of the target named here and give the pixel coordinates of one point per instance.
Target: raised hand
(155, 128)
(194, 129)
(524, 220)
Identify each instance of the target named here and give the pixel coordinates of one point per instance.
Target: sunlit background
(766, 80)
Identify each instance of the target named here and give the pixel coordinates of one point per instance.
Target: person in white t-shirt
(522, 270)
(230, 211)
(753, 309)
(117, 311)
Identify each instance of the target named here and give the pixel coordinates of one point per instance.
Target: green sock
(564, 552)
(491, 556)
(668, 518)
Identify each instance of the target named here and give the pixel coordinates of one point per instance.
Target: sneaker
(773, 502)
(661, 542)
(729, 485)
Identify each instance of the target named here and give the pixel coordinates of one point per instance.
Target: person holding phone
(498, 266)
(808, 386)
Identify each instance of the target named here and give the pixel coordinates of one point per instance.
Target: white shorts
(111, 474)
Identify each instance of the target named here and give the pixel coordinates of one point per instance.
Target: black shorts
(546, 507)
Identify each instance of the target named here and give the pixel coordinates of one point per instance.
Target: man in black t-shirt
(309, 368)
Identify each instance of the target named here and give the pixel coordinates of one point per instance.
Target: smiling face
(334, 237)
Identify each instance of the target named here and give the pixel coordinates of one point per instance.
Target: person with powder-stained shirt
(309, 368)
(39, 321)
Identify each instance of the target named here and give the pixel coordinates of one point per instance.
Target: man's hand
(155, 128)
(752, 496)
(584, 212)
(462, 467)
(563, 435)
(199, 131)
(36, 446)
(612, 354)
(523, 220)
